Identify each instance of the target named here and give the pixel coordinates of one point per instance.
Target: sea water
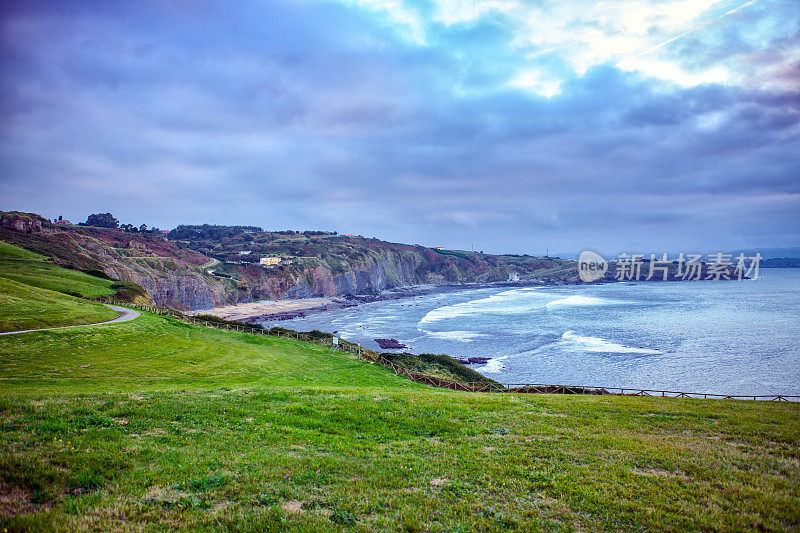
(738, 337)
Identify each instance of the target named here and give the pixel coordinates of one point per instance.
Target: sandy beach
(269, 308)
(298, 307)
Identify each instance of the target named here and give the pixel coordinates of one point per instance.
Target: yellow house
(269, 261)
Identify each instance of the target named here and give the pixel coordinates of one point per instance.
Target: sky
(498, 125)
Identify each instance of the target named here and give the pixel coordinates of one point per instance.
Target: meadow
(156, 424)
(33, 269)
(25, 307)
(38, 294)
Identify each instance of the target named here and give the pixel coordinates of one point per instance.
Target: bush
(437, 365)
(129, 291)
(96, 272)
(221, 321)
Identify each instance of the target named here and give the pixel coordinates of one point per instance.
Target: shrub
(96, 272)
(129, 291)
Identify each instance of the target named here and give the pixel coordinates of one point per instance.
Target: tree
(143, 228)
(102, 220)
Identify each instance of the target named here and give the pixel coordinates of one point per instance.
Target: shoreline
(278, 310)
(287, 309)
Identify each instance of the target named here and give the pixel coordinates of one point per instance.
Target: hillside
(171, 274)
(153, 424)
(158, 424)
(36, 293)
(784, 262)
(324, 264)
(199, 267)
(25, 307)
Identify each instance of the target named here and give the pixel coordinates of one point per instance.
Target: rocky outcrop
(175, 273)
(170, 274)
(23, 222)
(183, 292)
(387, 271)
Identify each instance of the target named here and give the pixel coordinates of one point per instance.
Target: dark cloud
(316, 115)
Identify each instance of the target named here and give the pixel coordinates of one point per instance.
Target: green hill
(26, 307)
(38, 294)
(154, 352)
(156, 424)
(34, 269)
(199, 267)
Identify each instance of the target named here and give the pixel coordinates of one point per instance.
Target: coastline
(251, 312)
(277, 310)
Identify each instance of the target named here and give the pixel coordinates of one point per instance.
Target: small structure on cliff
(270, 261)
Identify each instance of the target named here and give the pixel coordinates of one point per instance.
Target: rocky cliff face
(170, 274)
(176, 275)
(387, 271)
(179, 289)
(22, 222)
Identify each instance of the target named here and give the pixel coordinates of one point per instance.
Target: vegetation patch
(26, 307)
(156, 423)
(308, 458)
(439, 365)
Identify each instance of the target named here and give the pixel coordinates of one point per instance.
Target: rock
(390, 344)
(23, 222)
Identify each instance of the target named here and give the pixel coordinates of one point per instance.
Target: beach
(273, 309)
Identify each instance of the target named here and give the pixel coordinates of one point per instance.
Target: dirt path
(125, 315)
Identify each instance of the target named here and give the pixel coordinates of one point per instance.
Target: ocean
(738, 337)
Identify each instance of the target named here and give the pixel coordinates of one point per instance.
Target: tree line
(107, 220)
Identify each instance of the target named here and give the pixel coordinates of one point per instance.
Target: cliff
(199, 267)
(171, 274)
(317, 264)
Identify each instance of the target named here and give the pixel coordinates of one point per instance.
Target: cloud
(511, 127)
(557, 41)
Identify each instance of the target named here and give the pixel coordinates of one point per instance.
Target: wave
(460, 336)
(596, 344)
(512, 302)
(576, 301)
(494, 366)
(506, 302)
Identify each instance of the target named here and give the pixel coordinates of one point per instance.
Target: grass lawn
(53, 277)
(33, 269)
(26, 307)
(302, 458)
(153, 352)
(155, 424)
(37, 294)
(9, 251)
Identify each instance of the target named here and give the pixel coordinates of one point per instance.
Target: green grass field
(25, 307)
(33, 269)
(154, 424)
(153, 352)
(9, 251)
(52, 277)
(37, 294)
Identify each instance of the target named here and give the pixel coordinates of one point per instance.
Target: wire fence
(516, 388)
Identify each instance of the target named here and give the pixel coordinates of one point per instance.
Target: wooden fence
(517, 388)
